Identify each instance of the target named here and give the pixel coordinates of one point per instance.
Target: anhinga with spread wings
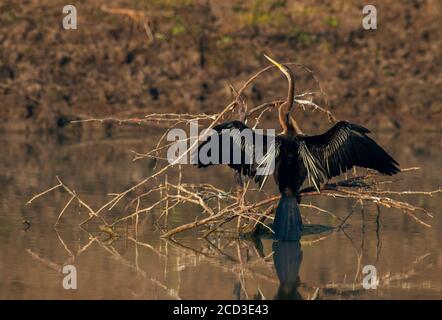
(298, 157)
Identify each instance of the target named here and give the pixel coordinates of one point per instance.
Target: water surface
(325, 266)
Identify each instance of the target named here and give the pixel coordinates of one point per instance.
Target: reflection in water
(287, 257)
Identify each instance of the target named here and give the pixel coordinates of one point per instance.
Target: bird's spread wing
(256, 152)
(343, 146)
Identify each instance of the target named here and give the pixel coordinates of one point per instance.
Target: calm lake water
(407, 256)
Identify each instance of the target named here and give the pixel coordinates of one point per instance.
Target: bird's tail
(288, 221)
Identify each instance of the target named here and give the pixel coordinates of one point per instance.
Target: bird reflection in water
(287, 257)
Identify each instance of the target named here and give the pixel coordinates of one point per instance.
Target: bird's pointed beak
(280, 67)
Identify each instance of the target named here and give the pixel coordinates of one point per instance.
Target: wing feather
(248, 149)
(339, 149)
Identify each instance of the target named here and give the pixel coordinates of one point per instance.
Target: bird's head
(284, 69)
(287, 122)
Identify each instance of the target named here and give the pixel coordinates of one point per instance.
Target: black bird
(298, 157)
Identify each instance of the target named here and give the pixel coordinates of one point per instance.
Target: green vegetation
(332, 22)
(224, 41)
(177, 29)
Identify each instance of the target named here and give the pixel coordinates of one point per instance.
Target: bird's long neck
(282, 115)
(288, 123)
